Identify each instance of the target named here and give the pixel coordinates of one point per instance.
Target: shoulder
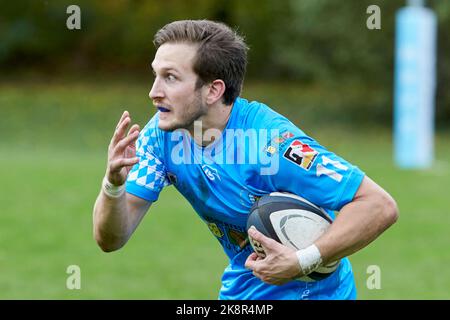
(151, 126)
(255, 114)
(151, 136)
(258, 115)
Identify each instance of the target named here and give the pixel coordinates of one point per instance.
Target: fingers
(122, 151)
(275, 268)
(253, 256)
(268, 244)
(256, 264)
(134, 127)
(117, 142)
(124, 115)
(121, 128)
(118, 164)
(132, 132)
(130, 149)
(124, 143)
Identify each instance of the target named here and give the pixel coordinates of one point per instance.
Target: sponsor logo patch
(278, 140)
(238, 238)
(287, 135)
(277, 143)
(215, 229)
(271, 150)
(210, 172)
(246, 196)
(301, 154)
(231, 237)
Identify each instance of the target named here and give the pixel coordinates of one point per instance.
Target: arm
(116, 218)
(359, 222)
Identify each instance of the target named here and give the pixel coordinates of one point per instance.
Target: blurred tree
(309, 41)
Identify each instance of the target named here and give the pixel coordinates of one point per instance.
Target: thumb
(269, 244)
(251, 260)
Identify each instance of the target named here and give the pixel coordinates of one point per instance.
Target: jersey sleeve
(306, 168)
(148, 177)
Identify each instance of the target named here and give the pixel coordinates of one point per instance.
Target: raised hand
(122, 151)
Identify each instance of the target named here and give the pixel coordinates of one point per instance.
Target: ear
(215, 92)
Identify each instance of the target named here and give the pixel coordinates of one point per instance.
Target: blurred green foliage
(322, 42)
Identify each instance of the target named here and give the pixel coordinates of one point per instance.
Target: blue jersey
(259, 152)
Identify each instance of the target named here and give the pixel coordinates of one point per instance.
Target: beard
(187, 115)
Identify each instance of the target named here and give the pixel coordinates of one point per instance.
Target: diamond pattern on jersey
(149, 172)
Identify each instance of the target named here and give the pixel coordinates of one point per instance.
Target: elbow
(390, 211)
(109, 244)
(108, 247)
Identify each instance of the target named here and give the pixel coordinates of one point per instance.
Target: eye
(170, 77)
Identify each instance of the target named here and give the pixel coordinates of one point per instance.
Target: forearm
(111, 221)
(358, 223)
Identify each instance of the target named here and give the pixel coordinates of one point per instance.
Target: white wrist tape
(309, 259)
(111, 190)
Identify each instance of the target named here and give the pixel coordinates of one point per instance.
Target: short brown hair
(221, 53)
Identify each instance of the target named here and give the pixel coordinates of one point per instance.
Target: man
(199, 69)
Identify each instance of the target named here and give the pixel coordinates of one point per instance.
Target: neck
(209, 127)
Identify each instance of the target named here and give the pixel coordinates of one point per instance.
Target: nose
(156, 91)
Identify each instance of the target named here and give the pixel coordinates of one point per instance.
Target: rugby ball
(292, 221)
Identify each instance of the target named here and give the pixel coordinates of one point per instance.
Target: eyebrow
(164, 69)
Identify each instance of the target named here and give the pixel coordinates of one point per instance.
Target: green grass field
(53, 153)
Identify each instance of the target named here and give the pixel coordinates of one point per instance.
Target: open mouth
(162, 109)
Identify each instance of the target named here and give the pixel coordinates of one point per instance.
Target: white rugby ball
(292, 221)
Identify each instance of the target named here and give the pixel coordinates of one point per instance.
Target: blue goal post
(415, 82)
